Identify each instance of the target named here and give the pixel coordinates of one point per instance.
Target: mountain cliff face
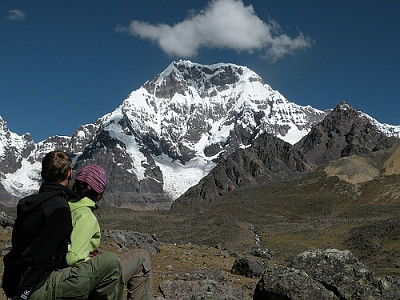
(343, 133)
(268, 159)
(166, 135)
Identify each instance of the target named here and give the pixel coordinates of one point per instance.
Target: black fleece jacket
(39, 240)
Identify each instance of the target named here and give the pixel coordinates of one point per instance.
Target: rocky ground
(172, 262)
(197, 246)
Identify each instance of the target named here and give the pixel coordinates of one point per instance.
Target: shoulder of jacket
(84, 202)
(55, 203)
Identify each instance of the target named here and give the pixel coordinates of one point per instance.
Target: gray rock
(340, 272)
(290, 284)
(261, 252)
(248, 267)
(328, 274)
(199, 289)
(133, 239)
(6, 220)
(389, 287)
(202, 274)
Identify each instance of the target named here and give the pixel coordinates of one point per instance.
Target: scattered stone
(199, 289)
(6, 220)
(200, 274)
(248, 267)
(261, 252)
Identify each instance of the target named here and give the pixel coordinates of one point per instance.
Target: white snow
(131, 147)
(179, 178)
(24, 180)
(294, 135)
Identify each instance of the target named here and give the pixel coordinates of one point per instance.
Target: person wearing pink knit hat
(94, 176)
(90, 185)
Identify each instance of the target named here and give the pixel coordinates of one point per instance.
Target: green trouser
(136, 268)
(99, 278)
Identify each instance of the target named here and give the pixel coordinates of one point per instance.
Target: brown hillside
(361, 168)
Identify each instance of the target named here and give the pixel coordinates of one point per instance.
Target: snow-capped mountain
(166, 135)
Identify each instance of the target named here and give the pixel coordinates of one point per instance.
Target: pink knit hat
(94, 176)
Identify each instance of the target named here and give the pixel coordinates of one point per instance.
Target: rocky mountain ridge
(166, 135)
(336, 144)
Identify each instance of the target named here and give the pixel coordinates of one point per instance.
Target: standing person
(36, 268)
(90, 184)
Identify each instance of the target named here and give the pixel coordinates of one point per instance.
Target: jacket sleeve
(50, 240)
(85, 236)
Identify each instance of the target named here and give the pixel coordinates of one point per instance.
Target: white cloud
(222, 24)
(16, 15)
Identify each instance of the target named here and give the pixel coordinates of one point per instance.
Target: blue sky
(67, 63)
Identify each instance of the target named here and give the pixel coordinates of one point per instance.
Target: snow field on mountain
(24, 180)
(179, 178)
(131, 147)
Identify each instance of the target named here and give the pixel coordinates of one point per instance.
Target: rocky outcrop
(269, 157)
(246, 266)
(200, 284)
(290, 284)
(328, 274)
(6, 220)
(315, 274)
(128, 239)
(340, 272)
(342, 133)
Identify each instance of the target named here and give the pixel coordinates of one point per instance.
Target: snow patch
(132, 148)
(24, 181)
(179, 178)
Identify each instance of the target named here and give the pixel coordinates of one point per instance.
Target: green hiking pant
(136, 268)
(99, 278)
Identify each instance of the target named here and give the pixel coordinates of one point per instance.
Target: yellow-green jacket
(85, 236)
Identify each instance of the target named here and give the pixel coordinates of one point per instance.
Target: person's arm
(85, 236)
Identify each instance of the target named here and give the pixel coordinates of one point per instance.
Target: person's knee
(108, 262)
(143, 257)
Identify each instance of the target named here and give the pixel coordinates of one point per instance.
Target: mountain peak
(342, 133)
(345, 107)
(206, 77)
(168, 134)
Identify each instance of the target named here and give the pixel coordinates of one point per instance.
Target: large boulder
(129, 239)
(326, 274)
(279, 283)
(248, 267)
(339, 271)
